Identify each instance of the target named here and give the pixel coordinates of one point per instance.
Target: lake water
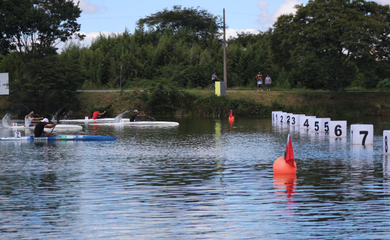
(203, 179)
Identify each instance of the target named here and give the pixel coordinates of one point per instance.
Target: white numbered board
(295, 119)
(319, 125)
(362, 134)
(386, 142)
(275, 116)
(338, 129)
(282, 117)
(288, 118)
(304, 121)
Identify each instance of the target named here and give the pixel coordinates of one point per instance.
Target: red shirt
(95, 115)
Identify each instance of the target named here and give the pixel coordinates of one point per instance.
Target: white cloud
(87, 7)
(266, 20)
(383, 2)
(233, 32)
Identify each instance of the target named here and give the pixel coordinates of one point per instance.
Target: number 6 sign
(338, 129)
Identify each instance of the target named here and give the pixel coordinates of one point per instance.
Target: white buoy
(362, 134)
(386, 142)
(338, 129)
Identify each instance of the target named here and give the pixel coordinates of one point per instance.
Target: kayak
(59, 127)
(61, 137)
(139, 123)
(89, 120)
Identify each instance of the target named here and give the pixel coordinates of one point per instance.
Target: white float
(362, 134)
(295, 119)
(338, 129)
(304, 121)
(386, 142)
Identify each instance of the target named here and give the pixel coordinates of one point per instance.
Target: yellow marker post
(220, 88)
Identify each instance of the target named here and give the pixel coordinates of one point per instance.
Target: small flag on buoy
(289, 154)
(286, 164)
(231, 117)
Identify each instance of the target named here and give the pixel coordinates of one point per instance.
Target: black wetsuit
(132, 117)
(38, 130)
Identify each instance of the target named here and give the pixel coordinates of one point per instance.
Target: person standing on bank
(134, 115)
(96, 114)
(259, 78)
(268, 82)
(39, 128)
(29, 118)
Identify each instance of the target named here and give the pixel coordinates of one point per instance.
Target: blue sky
(114, 16)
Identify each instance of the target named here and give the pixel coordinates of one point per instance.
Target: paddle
(107, 108)
(34, 114)
(58, 116)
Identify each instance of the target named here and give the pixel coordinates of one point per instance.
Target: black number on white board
(306, 123)
(364, 137)
(326, 127)
(386, 147)
(316, 126)
(293, 121)
(337, 131)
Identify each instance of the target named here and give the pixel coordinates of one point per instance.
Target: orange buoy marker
(231, 118)
(286, 164)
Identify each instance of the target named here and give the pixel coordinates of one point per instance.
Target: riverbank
(319, 104)
(204, 103)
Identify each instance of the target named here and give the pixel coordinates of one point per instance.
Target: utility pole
(224, 51)
(121, 78)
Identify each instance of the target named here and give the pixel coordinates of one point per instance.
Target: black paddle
(59, 115)
(107, 108)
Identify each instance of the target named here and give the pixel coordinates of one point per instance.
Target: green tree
(202, 24)
(34, 27)
(325, 39)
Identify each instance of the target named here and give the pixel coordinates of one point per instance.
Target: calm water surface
(203, 179)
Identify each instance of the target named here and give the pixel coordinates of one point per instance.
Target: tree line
(326, 44)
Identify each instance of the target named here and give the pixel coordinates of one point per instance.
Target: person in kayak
(97, 114)
(134, 115)
(29, 118)
(39, 128)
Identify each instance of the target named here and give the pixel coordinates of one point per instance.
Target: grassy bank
(249, 102)
(203, 103)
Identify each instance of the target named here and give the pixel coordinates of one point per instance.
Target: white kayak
(138, 123)
(89, 120)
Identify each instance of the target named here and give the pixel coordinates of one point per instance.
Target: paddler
(134, 115)
(29, 118)
(39, 128)
(97, 114)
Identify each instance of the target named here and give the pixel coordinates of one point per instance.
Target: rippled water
(203, 179)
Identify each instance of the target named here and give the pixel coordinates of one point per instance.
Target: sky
(115, 16)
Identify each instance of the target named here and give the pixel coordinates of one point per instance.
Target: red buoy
(286, 164)
(231, 118)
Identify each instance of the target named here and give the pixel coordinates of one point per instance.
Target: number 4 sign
(338, 129)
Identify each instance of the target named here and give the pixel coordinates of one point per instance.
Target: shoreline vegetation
(244, 103)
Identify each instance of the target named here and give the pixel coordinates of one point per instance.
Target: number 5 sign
(362, 134)
(338, 129)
